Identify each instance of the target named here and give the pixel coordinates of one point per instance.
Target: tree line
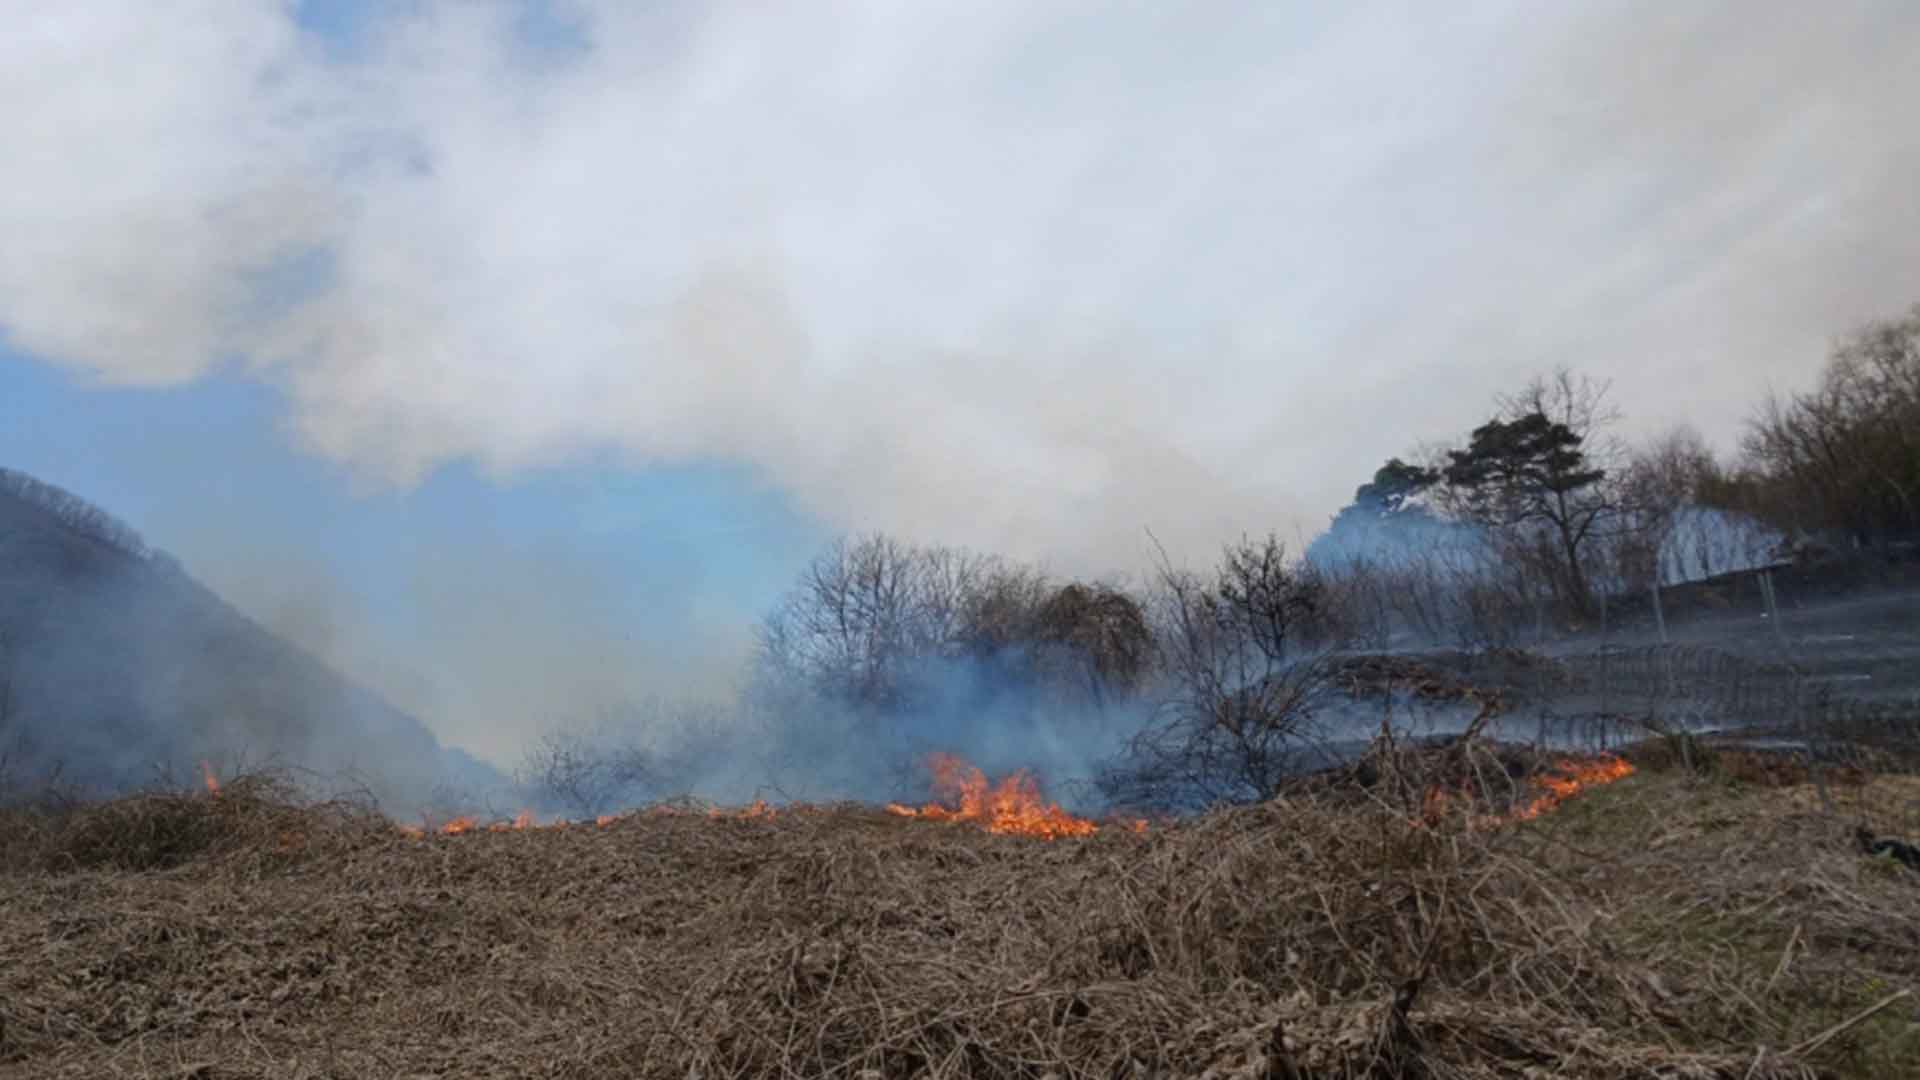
(1544, 512)
(74, 513)
(1224, 676)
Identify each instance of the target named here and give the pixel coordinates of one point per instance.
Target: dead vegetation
(258, 816)
(1447, 675)
(1665, 925)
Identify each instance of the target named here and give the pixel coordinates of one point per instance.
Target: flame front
(522, 820)
(1565, 780)
(212, 779)
(759, 810)
(1014, 806)
(1570, 779)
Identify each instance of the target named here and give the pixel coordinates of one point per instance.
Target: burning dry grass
(1657, 926)
(1012, 807)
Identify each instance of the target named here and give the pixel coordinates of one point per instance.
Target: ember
(759, 811)
(522, 820)
(461, 825)
(1014, 806)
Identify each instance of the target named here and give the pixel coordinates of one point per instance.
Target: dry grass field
(1662, 925)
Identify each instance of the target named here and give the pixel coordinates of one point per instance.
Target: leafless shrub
(626, 755)
(1844, 458)
(1242, 692)
(872, 618)
(583, 776)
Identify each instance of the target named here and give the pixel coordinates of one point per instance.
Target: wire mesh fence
(1722, 713)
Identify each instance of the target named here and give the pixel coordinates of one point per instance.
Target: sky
(514, 355)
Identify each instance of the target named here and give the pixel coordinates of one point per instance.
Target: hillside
(116, 667)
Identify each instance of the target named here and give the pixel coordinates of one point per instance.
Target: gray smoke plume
(1024, 278)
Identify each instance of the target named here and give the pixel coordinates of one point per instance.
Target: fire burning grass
(1570, 778)
(1560, 780)
(1016, 806)
(1013, 807)
(181, 935)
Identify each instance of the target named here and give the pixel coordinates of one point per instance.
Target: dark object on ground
(1901, 851)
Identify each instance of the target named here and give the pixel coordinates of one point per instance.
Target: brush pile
(1377, 674)
(1448, 676)
(1628, 934)
(258, 817)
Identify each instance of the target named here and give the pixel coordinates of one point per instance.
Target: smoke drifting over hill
(1031, 280)
(118, 670)
(1022, 278)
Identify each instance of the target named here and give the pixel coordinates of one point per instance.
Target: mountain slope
(115, 664)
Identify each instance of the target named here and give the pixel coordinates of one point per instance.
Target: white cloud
(1029, 277)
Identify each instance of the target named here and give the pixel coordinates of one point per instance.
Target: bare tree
(1844, 457)
(1389, 566)
(1679, 521)
(1100, 634)
(74, 513)
(571, 770)
(626, 754)
(998, 608)
(859, 611)
(871, 613)
(1363, 607)
(1242, 694)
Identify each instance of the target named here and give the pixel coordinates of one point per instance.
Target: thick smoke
(1027, 279)
(805, 747)
(117, 670)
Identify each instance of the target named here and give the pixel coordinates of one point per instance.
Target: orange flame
(521, 820)
(758, 811)
(212, 779)
(1014, 806)
(1568, 778)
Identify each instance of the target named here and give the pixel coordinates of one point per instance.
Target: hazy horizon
(513, 356)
